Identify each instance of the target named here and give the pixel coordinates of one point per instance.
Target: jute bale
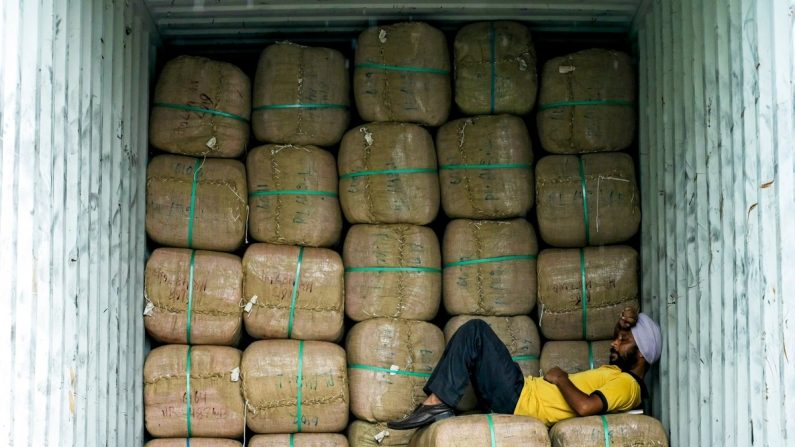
(295, 386)
(403, 74)
(389, 361)
(485, 167)
(612, 199)
(520, 336)
(624, 430)
(293, 196)
(495, 69)
(214, 403)
(377, 434)
(575, 356)
(196, 203)
(484, 429)
(392, 271)
(388, 174)
(489, 267)
(201, 107)
(293, 292)
(299, 440)
(587, 102)
(193, 297)
(193, 442)
(301, 95)
(610, 275)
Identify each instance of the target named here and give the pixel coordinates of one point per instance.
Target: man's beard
(625, 362)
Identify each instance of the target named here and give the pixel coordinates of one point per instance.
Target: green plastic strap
(486, 166)
(387, 370)
(519, 358)
(393, 269)
(292, 192)
(292, 440)
(299, 106)
(190, 295)
(584, 296)
(300, 381)
(496, 259)
(493, 66)
(404, 68)
(585, 203)
(590, 355)
(491, 430)
(166, 105)
(607, 431)
(196, 168)
(296, 282)
(595, 102)
(187, 391)
(387, 171)
(187, 442)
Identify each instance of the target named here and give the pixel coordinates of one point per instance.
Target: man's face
(623, 350)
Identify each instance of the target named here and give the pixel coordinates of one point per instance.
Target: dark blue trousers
(475, 354)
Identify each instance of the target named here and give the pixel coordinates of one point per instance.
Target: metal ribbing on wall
(73, 100)
(718, 185)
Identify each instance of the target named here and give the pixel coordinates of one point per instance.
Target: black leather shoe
(423, 415)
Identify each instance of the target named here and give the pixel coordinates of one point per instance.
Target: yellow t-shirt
(542, 400)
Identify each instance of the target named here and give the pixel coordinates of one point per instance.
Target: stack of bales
(196, 212)
(389, 192)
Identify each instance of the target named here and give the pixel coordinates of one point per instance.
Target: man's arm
(581, 403)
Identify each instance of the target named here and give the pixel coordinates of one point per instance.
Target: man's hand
(629, 316)
(554, 375)
(581, 403)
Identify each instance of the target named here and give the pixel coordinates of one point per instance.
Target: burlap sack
(575, 356)
(612, 198)
(388, 174)
(611, 284)
(392, 271)
(495, 69)
(216, 406)
(485, 167)
(206, 210)
(389, 361)
(587, 103)
(189, 85)
(377, 434)
(293, 196)
(489, 267)
(475, 430)
(299, 440)
(299, 292)
(520, 336)
(293, 386)
(625, 430)
(301, 95)
(403, 74)
(194, 442)
(212, 299)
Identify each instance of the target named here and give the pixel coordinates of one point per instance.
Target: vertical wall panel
(718, 186)
(73, 95)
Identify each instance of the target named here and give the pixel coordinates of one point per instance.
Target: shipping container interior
(714, 159)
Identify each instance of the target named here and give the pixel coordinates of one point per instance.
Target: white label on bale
(563, 69)
(211, 143)
(149, 309)
(382, 36)
(393, 368)
(235, 374)
(250, 304)
(368, 136)
(379, 437)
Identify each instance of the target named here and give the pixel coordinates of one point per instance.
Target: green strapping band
(404, 68)
(491, 430)
(519, 358)
(187, 391)
(496, 259)
(166, 105)
(296, 282)
(190, 294)
(387, 171)
(389, 371)
(299, 106)
(292, 440)
(493, 67)
(590, 355)
(585, 203)
(584, 296)
(292, 192)
(187, 442)
(595, 102)
(393, 269)
(486, 166)
(300, 381)
(607, 431)
(193, 188)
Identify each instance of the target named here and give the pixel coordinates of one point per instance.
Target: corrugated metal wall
(73, 94)
(718, 185)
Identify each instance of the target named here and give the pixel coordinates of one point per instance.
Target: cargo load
(612, 430)
(369, 434)
(503, 430)
(575, 356)
(193, 442)
(299, 440)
